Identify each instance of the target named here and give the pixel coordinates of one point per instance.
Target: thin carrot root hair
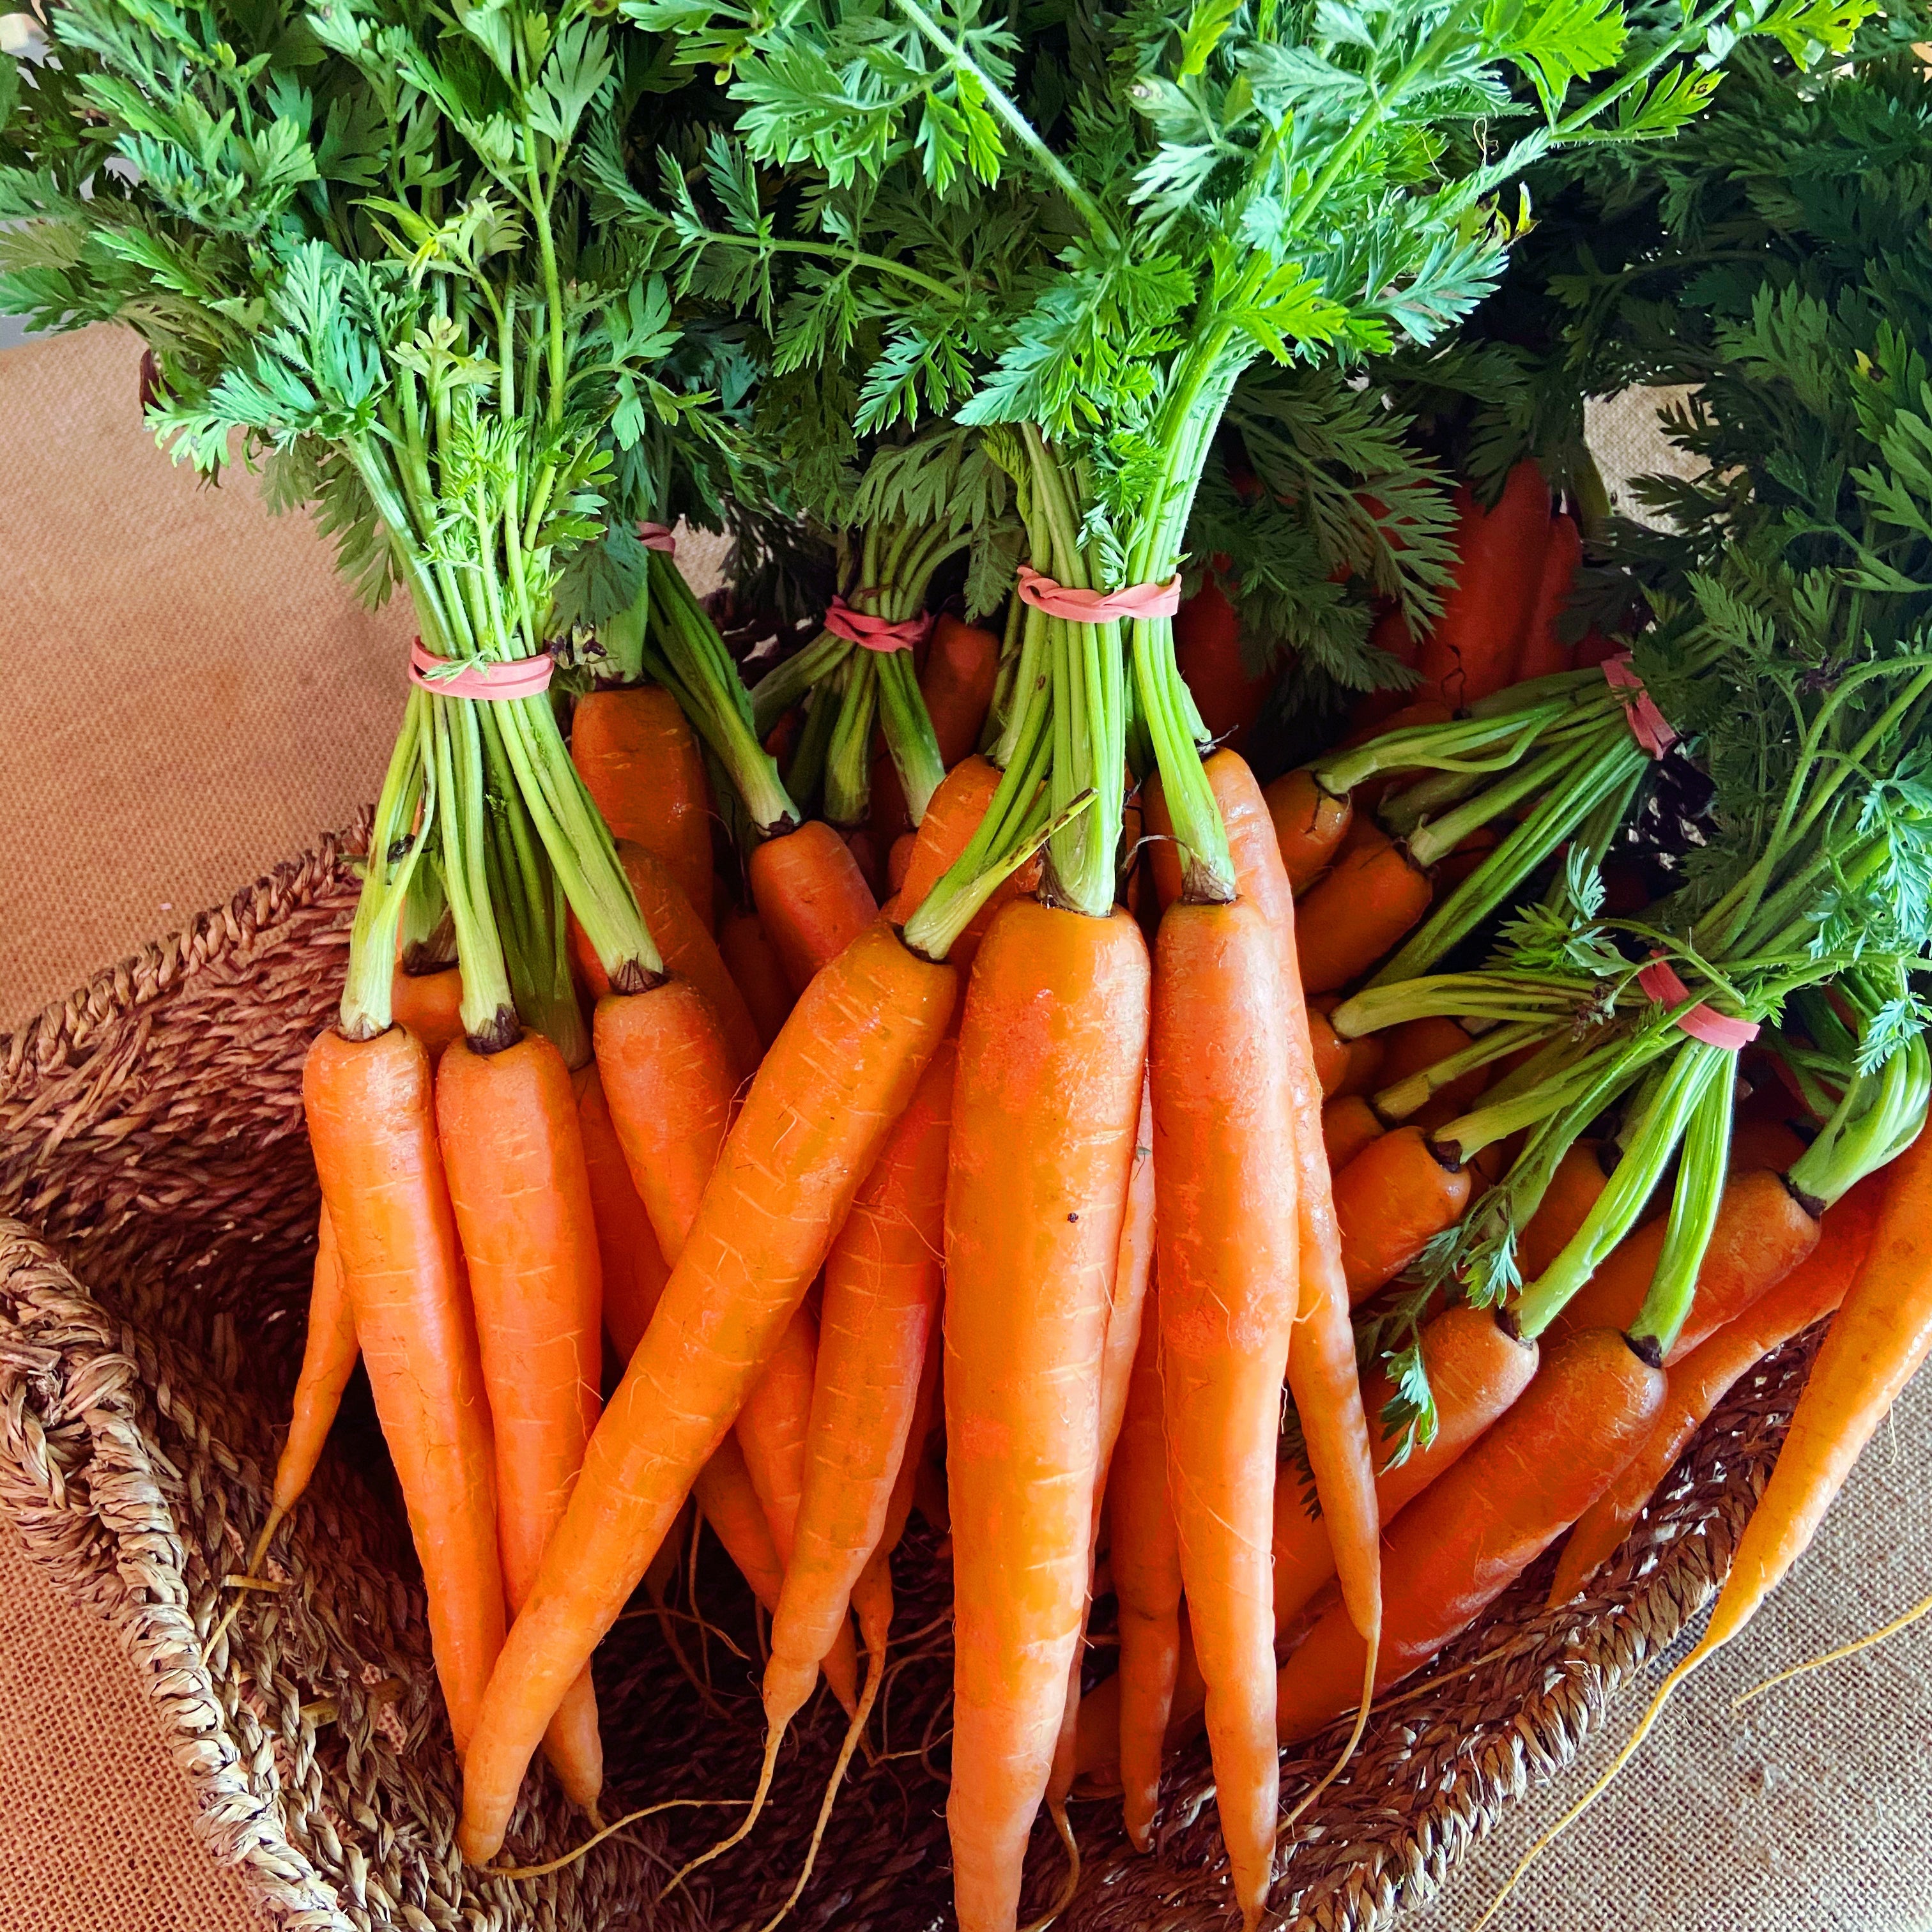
(251, 1579)
(1348, 1749)
(1844, 1651)
(875, 1667)
(1664, 1693)
(1056, 1810)
(737, 1837)
(591, 1844)
(661, 1611)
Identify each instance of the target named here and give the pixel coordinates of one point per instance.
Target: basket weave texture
(158, 1206)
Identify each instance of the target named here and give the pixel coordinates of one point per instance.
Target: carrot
(1132, 1267)
(513, 1155)
(1472, 651)
(1542, 652)
(1224, 1164)
(754, 965)
(771, 1433)
(1309, 825)
(1333, 1057)
(872, 1594)
(373, 1127)
(1045, 1108)
(951, 820)
(1480, 1525)
(1572, 1193)
(670, 1082)
(1147, 1581)
(812, 899)
(899, 860)
(1370, 899)
(723, 1491)
(328, 1360)
(634, 1268)
(689, 952)
(957, 679)
(882, 1286)
(1701, 1379)
(869, 854)
(639, 762)
(1875, 1344)
(1763, 1232)
(1207, 651)
(1347, 1126)
(1476, 1369)
(1417, 1045)
(820, 1109)
(1322, 1371)
(634, 1274)
(1391, 1201)
(429, 1004)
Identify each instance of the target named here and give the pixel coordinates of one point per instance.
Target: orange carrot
(1368, 902)
(1702, 1379)
(1333, 1056)
(812, 899)
(723, 1491)
(1475, 1530)
(1543, 652)
(513, 1154)
(1132, 1267)
(882, 1286)
(429, 1004)
(688, 950)
(820, 1109)
(1417, 1045)
(1472, 651)
(328, 1360)
(1044, 1109)
(634, 1268)
(669, 1081)
(1763, 1232)
(1309, 825)
(951, 820)
(899, 860)
(1224, 1162)
(1207, 652)
(956, 681)
(1572, 1193)
(1322, 1371)
(754, 965)
(1476, 1370)
(1347, 1126)
(639, 762)
(771, 1431)
(1147, 1581)
(372, 1124)
(1393, 1199)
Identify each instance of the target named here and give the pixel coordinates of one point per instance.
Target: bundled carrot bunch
(1147, 1095)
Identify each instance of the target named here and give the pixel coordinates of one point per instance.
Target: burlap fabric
(137, 1423)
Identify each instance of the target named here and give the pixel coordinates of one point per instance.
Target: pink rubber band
(520, 677)
(1098, 607)
(1659, 981)
(875, 634)
(658, 536)
(1648, 725)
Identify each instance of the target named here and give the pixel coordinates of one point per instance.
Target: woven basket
(159, 1207)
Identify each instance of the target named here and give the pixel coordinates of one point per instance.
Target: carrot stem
(395, 851)
(1693, 1213)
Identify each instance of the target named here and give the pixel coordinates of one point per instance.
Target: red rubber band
(1659, 981)
(875, 634)
(519, 677)
(658, 536)
(1098, 607)
(1648, 725)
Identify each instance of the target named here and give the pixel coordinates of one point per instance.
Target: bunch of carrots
(1292, 1207)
